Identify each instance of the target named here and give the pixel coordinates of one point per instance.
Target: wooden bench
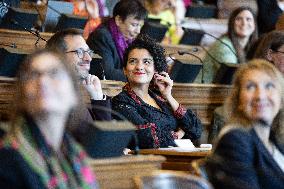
(26, 42)
(118, 173)
(201, 98)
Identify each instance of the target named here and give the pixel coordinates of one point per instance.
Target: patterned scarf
(120, 43)
(68, 169)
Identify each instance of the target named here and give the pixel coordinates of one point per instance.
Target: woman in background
(37, 151)
(250, 150)
(271, 48)
(159, 118)
(242, 31)
(111, 38)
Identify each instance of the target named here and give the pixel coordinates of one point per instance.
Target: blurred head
(142, 59)
(258, 92)
(242, 24)
(71, 43)
(271, 48)
(157, 6)
(129, 16)
(45, 85)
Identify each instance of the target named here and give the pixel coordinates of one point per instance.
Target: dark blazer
(241, 161)
(268, 13)
(155, 127)
(15, 173)
(102, 43)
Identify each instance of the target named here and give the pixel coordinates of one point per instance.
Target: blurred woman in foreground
(250, 150)
(37, 152)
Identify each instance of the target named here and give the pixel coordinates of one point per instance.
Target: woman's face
(48, 88)
(244, 24)
(130, 27)
(140, 67)
(260, 96)
(277, 58)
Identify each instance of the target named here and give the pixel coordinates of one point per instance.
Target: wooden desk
(176, 159)
(23, 40)
(118, 173)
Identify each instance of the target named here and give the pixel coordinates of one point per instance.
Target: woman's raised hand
(164, 83)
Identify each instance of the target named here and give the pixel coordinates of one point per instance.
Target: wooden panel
(22, 39)
(26, 41)
(118, 173)
(201, 98)
(178, 160)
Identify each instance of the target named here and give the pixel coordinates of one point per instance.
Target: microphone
(35, 33)
(206, 33)
(183, 52)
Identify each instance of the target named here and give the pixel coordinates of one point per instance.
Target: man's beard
(82, 74)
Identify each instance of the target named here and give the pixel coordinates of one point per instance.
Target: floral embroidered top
(28, 161)
(156, 127)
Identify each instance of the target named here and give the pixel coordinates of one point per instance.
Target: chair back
(171, 180)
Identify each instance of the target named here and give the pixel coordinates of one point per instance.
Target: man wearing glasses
(72, 45)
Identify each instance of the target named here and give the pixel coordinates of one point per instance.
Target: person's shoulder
(234, 135)
(102, 30)
(121, 97)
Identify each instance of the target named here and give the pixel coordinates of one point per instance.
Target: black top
(268, 13)
(155, 127)
(102, 43)
(241, 161)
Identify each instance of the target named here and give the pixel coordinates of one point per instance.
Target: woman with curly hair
(250, 149)
(147, 101)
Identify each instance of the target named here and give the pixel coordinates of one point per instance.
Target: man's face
(77, 54)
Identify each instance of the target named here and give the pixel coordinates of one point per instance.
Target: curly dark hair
(154, 48)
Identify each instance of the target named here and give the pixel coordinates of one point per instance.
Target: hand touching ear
(164, 83)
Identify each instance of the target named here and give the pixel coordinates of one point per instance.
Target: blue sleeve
(191, 125)
(15, 172)
(232, 163)
(101, 109)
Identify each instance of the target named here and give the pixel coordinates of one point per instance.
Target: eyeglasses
(81, 52)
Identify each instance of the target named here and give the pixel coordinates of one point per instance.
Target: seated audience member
(94, 10)
(165, 11)
(37, 152)
(271, 48)
(111, 38)
(147, 101)
(242, 31)
(249, 153)
(72, 45)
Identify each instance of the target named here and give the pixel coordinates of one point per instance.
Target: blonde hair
(232, 102)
